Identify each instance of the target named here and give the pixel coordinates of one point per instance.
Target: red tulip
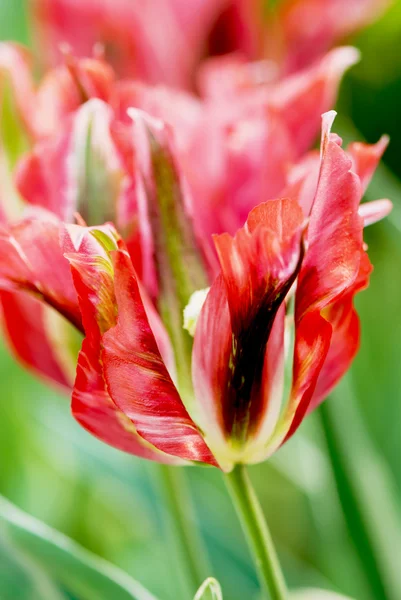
(275, 333)
(80, 157)
(163, 41)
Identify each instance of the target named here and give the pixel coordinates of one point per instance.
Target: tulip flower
(80, 158)
(163, 41)
(177, 371)
(273, 334)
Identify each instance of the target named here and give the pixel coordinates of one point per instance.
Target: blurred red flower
(163, 41)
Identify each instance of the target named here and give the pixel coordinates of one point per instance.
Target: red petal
(343, 348)
(239, 27)
(250, 118)
(334, 242)
(92, 405)
(304, 96)
(42, 176)
(259, 266)
(366, 157)
(138, 380)
(313, 335)
(345, 339)
(304, 176)
(260, 257)
(31, 260)
(27, 331)
(335, 268)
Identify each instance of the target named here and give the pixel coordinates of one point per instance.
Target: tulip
(81, 158)
(273, 335)
(163, 41)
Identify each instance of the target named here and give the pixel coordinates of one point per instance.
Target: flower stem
(193, 564)
(255, 528)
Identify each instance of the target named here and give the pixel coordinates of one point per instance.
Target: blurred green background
(110, 502)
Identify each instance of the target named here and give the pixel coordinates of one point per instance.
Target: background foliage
(109, 502)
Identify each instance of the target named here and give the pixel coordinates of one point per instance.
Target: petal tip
(139, 115)
(327, 123)
(343, 58)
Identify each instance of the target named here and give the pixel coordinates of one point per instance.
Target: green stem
(192, 561)
(255, 528)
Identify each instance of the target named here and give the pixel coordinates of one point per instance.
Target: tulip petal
(118, 342)
(166, 224)
(42, 177)
(259, 266)
(303, 178)
(334, 241)
(39, 338)
(16, 122)
(264, 252)
(304, 96)
(247, 147)
(371, 212)
(138, 380)
(343, 348)
(313, 337)
(335, 268)
(366, 157)
(345, 336)
(31, 260)
(91, 404)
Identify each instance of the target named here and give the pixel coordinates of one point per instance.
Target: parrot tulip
(272, 336)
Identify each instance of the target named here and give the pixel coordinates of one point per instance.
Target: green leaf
(76, 570)
(22, 578)
(209, 590)
(366, 491)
